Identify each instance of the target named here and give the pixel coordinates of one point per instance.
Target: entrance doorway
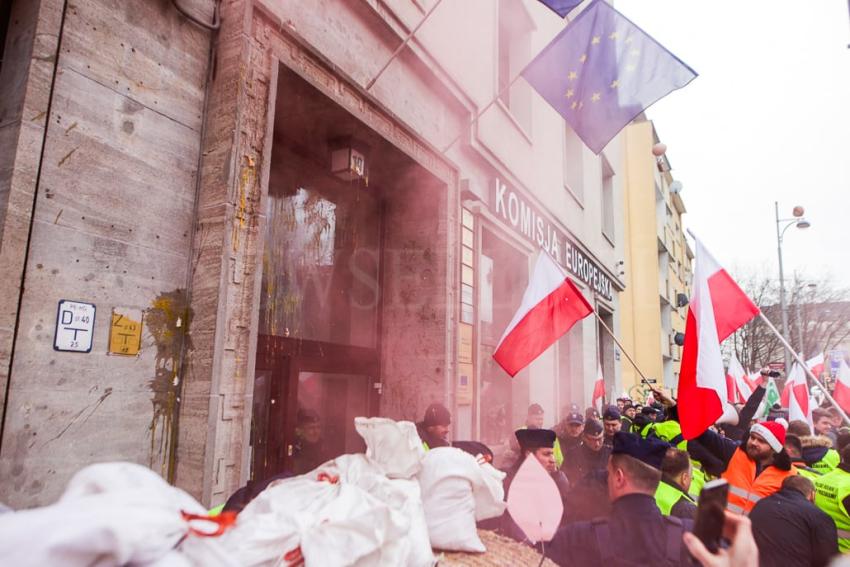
(352, 286)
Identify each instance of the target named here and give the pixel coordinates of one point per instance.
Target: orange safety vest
(745, 488)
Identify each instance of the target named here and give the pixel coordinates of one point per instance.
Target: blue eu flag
(602, 71)
(561, 7)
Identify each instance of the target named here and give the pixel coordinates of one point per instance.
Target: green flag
(771, 396)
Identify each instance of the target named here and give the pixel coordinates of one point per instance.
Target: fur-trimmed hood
(814, 448)
(816, 441)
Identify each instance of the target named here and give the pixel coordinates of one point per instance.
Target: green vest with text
(667, 496)
(831, 490)
(828, 462)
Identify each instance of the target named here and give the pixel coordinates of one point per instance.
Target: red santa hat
(771, 432)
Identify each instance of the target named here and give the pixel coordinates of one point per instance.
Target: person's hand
(742, 553)
(665, 400)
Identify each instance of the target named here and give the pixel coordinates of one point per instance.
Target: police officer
(672, 495)
(590, 456)
(833, 497)
(568, 433)
(612, 424)
(635, 533)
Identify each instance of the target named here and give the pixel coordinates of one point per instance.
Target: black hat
(592, 428)
(650, 450)
(437, 414)
(575, 417)
(611, 414)
(535, 409)
(648, 410)
(530, 439)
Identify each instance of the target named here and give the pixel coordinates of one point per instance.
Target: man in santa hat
(755, 467)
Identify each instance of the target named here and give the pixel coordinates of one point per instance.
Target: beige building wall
(657, 267)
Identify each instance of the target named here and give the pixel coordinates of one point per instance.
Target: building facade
(658, 263)
(218, 240)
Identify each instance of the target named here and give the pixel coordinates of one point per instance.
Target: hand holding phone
(742, 552)
(710, 513)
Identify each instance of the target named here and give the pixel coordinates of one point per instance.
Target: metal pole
(630, 359)
(782, 306)
(802, 363)
(401, 47)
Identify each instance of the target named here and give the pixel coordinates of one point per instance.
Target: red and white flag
(841, 394)
(598, 388)
(743, 386)
(816, 365)
(756, 379)
(798, 395)
(718, 308)
(550, 306)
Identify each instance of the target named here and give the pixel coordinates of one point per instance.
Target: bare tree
(818, 318)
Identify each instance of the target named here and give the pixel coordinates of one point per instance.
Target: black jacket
(790, 531)
(581, 461)
(635, 534)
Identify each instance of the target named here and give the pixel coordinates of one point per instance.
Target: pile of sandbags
(387, 507)
(112, 514)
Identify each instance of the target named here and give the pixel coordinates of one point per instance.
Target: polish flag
(731, 393)
(598, 388)
(550, 306)
(743, 387)
(816, 365)
(756, 379)
(718, 308)
(798, 395)
(841, 394)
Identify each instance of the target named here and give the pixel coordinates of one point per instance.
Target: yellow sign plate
(125, 332)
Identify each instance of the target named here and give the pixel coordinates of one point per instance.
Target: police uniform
(636, 533)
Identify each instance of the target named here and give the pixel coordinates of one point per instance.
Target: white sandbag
(394, 446)
(345, 512)
(455, 493)
(412, 547)
(490, 495)
(111, 514)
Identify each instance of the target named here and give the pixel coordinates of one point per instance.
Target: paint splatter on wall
(168, 320)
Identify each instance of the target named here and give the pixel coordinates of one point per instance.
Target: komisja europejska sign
(519, 214)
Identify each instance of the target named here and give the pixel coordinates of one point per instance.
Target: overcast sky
(768, 119)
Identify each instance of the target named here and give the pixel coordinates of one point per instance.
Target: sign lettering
(509, 206)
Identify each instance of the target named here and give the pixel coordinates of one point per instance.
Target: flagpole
(802, 363)
(482, 111)
(401, 47)
(625, 352)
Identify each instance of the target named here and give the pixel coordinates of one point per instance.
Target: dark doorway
(333, 238)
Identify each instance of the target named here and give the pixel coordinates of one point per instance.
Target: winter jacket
(819, 454)
(790, 531)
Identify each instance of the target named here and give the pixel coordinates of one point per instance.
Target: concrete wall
(112, 225)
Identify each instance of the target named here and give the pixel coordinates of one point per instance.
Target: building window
(514, 53)
(608, 201)
(573, 164)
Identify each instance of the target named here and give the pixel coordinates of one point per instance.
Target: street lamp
(800, 222)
